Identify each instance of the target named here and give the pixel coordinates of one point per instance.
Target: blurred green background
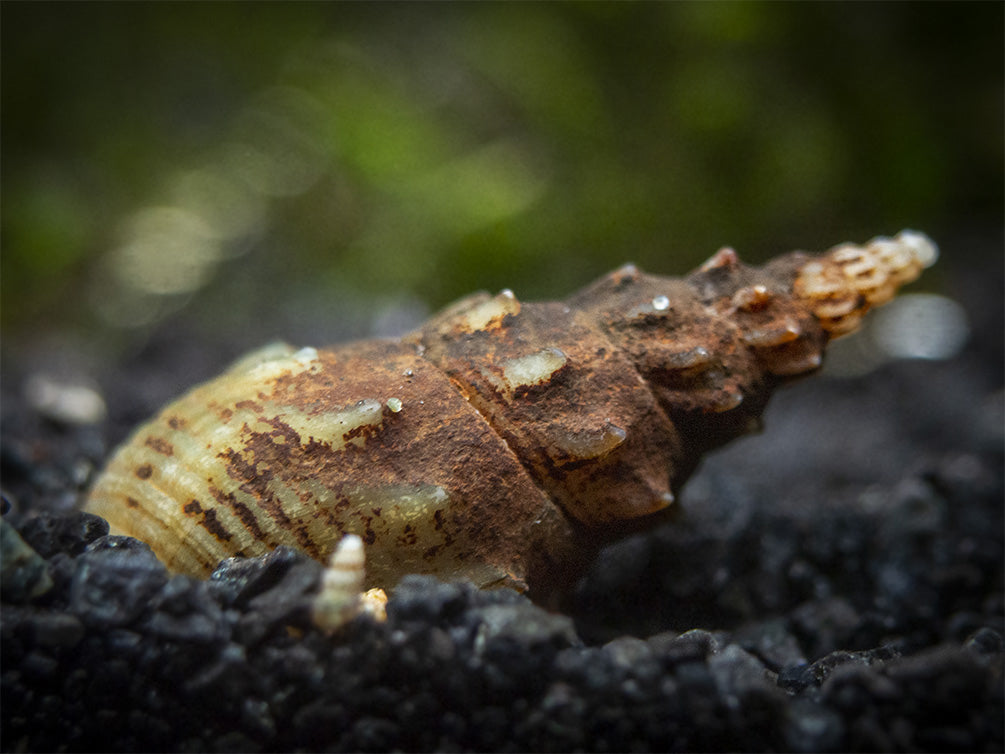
(317, 171)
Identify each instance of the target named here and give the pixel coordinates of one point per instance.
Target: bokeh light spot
(921, 326)
(167, 250)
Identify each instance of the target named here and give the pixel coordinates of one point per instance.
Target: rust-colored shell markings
(502, 440)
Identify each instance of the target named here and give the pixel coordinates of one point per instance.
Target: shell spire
(841, 285)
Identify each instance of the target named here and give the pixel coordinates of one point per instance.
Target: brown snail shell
(500, 441)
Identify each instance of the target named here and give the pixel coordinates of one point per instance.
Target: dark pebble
(114, 581)
(522, 625)
(38, 668)
(24, 574)
(57, 630)
(772, 643)
(239, 580)
(984, 642)
(812, 727)
(375, 734)
(796, 678)
(739, 674)
(184, 610)
(825, 626)
(428, 600)
(236, 742)
(690, 646)
(50, 534)
(821, 670)
(945, 678)
(280, 596)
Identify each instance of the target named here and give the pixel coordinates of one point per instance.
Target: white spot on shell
(727, 401)
(306, 355)
(274, 351)
(625, 272)
(769, 337)
(789, 365)
(491, 311)
(409, 500)
(584, 445)
(752, 298)
(694, 358)
(724, 257)
(277, 360)
(661, 303)
(533, 369)
(332, 427)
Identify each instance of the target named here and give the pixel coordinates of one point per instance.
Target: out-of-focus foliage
(275, 162)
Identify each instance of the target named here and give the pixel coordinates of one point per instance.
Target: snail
(501, 442)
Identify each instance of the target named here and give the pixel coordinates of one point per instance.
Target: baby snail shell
(501, 442)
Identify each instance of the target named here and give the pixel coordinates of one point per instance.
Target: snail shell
(502, 440)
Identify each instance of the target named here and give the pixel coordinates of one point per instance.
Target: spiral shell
(501, 441)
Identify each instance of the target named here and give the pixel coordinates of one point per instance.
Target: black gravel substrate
(835, 584)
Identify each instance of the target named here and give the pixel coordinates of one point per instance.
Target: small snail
(502, 441)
